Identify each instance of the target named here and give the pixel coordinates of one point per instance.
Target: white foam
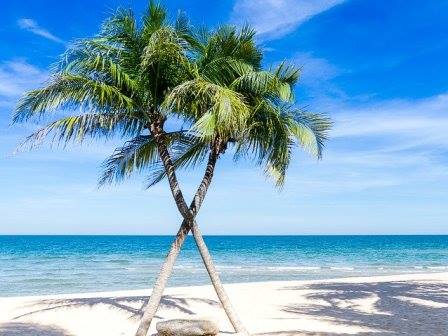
(229, 267)
(295, 268)
(438, 267)
(184, 267)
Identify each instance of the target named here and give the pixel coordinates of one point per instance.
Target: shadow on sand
(401, 308)
(30, 329)
(125, 303)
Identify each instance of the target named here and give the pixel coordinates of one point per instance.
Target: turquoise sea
(34, 265)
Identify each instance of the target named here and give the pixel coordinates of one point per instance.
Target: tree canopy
(136, 74)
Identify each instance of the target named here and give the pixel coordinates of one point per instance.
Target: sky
(377, 68)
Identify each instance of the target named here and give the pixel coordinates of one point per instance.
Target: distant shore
(411, 304)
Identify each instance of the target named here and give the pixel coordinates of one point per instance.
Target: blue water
(33, 265)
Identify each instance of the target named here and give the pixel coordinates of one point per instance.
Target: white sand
(413, 304)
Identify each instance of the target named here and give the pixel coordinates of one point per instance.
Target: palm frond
(216, 109)
(272, 132)
(122, 29)
(223, 70)
(262, 83)
(140, 153)
(287, 73)
(96, 59)
(78, 128)
(164, 46)
(135, 155)
(186, 34)
(309, 129)
(228, 41)
(153, 20)
(70, 91)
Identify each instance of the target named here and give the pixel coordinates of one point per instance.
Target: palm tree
(129, 79)
(231, 50)
(119, 80)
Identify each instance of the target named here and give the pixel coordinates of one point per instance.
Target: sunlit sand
(414, 304)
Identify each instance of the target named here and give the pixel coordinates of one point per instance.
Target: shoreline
(350, 306)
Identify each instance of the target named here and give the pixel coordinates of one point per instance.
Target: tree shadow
(30, 329)
(401, 308)
(124, 303)
(293, 333)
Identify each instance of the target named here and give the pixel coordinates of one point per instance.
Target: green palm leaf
(216, 109)
(136, 154)
(77, 128)
(140, 153)
(310, 130)
(67, 91)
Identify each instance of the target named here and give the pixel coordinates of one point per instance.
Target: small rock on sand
(187, 328)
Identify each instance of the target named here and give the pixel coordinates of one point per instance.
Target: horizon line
(224, 235)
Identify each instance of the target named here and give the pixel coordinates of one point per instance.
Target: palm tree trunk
(170, 259)
(162, 279)
(188, 222)
(156, 130)
(202, 247)
(216, 281)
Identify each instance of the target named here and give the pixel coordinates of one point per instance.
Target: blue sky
(378, 68)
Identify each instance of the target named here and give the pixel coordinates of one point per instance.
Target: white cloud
(414, 122)
(18, 76)
(33, 27)
(315, 69)
(317, 75)
(385, 144)
(275, 18)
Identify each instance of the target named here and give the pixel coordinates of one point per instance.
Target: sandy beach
(412, 304)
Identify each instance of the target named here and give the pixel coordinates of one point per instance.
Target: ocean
(36, 265)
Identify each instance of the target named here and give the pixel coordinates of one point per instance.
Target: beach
(408, 304)
(261, 168)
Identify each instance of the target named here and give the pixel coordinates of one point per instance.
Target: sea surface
(36, 265)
